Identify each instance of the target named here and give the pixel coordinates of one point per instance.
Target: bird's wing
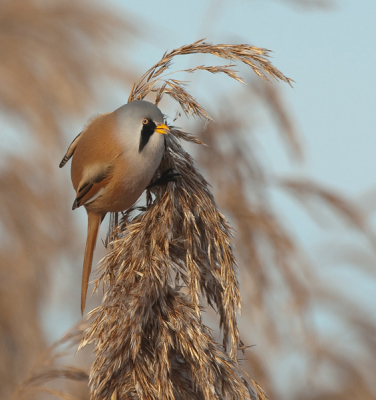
(70, 151)
(91, 188)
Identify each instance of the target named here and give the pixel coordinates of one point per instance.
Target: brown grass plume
(150, 341)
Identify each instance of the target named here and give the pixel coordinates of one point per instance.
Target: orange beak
(162, 129)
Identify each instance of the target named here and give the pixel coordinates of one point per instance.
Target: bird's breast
(130, 177)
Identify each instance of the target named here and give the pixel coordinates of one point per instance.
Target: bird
(114, 159)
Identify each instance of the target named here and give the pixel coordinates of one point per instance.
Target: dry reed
(150, 342)
(254, 57)
(31, 247)
(53, 54)
(49, 368)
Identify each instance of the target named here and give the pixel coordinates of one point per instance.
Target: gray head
(138, 122)
(141, 109)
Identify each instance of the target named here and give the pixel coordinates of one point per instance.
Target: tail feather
(94, 220)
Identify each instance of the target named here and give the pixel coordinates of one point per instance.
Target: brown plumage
(114, 159)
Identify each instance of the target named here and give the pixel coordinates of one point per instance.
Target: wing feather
(91, 187)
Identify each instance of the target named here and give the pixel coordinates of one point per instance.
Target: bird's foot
(167, 176)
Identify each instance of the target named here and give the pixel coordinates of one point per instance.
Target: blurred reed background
(61, 63)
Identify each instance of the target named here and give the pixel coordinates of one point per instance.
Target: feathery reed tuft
(49, 368)
(150, 341)
(252, 56)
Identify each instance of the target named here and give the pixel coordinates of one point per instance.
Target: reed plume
(51, 368)
(150, 341)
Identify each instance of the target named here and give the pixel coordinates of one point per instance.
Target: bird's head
(141, 125)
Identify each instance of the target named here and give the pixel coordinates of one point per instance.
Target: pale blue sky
(330, 54)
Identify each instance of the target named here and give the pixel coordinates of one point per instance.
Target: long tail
(94, 220)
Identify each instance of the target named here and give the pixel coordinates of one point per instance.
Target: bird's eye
(145, 121)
